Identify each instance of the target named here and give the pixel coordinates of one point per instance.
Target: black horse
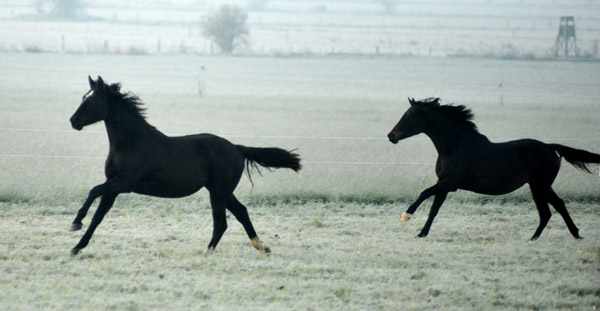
(468, 160)
(143, 160)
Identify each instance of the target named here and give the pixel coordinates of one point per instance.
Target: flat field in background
(334, 227)
(495, 29)
(336, 112)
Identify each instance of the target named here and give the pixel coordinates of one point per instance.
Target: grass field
(341, 256)
(333, 228)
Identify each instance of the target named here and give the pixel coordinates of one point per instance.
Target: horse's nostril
(393, 138)
(75, 123)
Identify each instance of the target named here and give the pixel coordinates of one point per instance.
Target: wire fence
(341, 138)
(291, 136)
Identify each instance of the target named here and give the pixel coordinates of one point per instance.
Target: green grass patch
(313, 197)
(463, 197)
(13, 197)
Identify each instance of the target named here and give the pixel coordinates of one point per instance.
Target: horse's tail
(269, 158)
(579, 158)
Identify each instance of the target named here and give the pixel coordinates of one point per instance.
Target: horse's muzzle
(393, 138)
(76, 123)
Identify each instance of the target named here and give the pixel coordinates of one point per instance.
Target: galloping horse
(143, 160)
(468, 160)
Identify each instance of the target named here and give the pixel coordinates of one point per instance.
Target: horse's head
(94, 105)
(411, 123)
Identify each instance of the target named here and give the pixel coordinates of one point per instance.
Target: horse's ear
(411, 101)
(92, 83)
(100, 81)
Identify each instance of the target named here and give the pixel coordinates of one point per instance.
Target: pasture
(334, 228)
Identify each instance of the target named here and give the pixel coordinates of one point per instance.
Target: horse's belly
(170, 185)
(495, 183)
(493, 189)
(158, 189)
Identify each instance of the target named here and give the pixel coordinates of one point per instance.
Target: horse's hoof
(579, 237)
(260, 246)
(207, 252)
(405, 217)
(76, 226)
(421, 235)
(75, 251)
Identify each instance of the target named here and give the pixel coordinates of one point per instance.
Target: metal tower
(565, 41)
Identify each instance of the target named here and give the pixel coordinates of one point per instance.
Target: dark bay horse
(468, 160)
(143, 160)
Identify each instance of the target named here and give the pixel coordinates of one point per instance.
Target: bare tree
(227, 28)
(62, 9)
(257, 5)
(389, 6)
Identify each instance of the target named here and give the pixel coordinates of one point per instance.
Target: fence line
(254, 136)
(368, 163)
(224, 135)
(304, 162)
(8, 129)
(297, 136)
(47, 156)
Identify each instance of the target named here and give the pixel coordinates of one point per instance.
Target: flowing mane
(460, 115)
(130, 101)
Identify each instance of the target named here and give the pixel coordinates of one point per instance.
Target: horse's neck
(122, 130)
(447, 136)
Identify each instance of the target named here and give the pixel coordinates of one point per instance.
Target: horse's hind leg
(218, 204)
(105, 204)
(241, 214)
(540, 197)
(560, 207)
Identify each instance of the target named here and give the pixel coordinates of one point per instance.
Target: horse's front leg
(435, 207)
(439, 188)
(116, 185)
(109, 191)
(422, 197)
(105, 204)
(94, 193)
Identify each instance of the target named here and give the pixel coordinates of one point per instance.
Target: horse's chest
(110, 168)
(114, 167)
